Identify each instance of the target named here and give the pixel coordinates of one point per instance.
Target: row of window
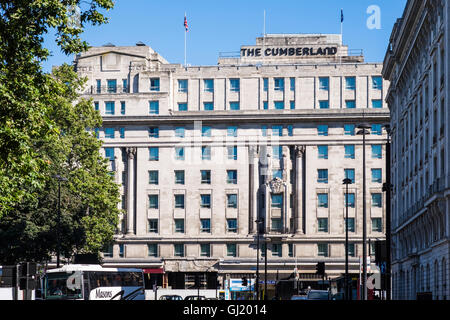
(180, 132)
(377, 224)
(231, 248)
(205, 201)
(153, 177)
(376, 200)
(322, 175)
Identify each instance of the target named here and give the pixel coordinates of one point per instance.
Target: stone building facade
(203, 152)
(417, 66)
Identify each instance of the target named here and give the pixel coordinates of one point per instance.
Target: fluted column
(253, 190)
(131, 152)
(299, 155)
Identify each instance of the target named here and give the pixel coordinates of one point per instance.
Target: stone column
(252, 190)
(131, 152)
(299, 156)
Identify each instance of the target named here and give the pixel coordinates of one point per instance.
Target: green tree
(26, 96)
(89, 197)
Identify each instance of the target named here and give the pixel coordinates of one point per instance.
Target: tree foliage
(89, 197)
(26, 99)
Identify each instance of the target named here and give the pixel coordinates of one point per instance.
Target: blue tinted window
(323, 200)
(112, 86)
(208, 106)
(206, 131)
(179, 153)
(349, 151)
(279, 105)
(279, 84)
(322, 130)
(322, 175)
(153, 201)
(232, 131)
(234, 85)
(323, 152)
(323, 83)
(234, 105)
(154, 84)
(182, 107)
(377, 104)
(324, 104)
(179, 132)
(376, 175)
(350, 104)
(153, 132)
(182, 85)
(154, 153)
(376, 151)
(349, 129)
(209, 85)
(350, 174)
(376, 129)
(154, 107)
(109, 107)
(109, 133)
(350, 83)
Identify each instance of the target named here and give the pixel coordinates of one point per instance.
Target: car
(318, 295)
(170, 297)
(299, 297)
(195, 298)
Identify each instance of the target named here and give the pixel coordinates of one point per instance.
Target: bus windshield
(56, 287)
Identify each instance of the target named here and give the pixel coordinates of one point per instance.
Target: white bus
(92, 282)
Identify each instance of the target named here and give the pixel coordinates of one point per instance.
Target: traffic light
(380, 252)
(9, 276)
(197, 281)
(244, 282)
(320, 268)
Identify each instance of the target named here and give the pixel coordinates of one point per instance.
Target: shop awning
(154, 270)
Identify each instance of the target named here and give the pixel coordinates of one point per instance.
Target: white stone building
(202, 152)
(417, 66)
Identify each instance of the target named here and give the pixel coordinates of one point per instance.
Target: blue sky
(223, 26)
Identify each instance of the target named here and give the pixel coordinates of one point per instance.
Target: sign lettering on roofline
(271, 51)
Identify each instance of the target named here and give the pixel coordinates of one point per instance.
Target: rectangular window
(351, 200)
(179, 153)
(278, 84)
(208, 85)
(154, 84)
(206, 131)
(292, 104)
(377, 83)
(122, 133)
(376, 200)
(153, 177)
(277, 131)
(276, 201)
(234, 106)
(153, 132)
(350, 224)
(232, 131)
(292, 81)
(377, 104)
(96, 106)
(179, 201)
(322, 175)
(109, 133)
(350, 104)
(179, 132)
(109, 107)
(179, 176)
(99, 85)
(205, 200)
(376, 175)
(122, 107)
(349, 151)
(322, 249)
(208, 106)
(182, 106)
(350, 174)
(154, 107)
(324, 84)
(376, 151)
(178, 250)
(290, 130)
(231, 250)
(232, 225)
(112, 85)
(205, 176)
(232, 153)
(264, 131)
(278, 105)
(323, 152)
(290, 250)
(351, 250)
(350, 83)
(206, 153)
(153, 201)
(109, 154)
(377, 225)
(234, 85)
(276, 250)
(265, 105)
(97, 133)
(349, 129)
(125, 85)
(376, 129)
(154, 153)
(324, 104)
(277, 152)
(323, 200)
(205, 225)
(232, 176)
(121, 250)
(152, 250)
(205, 250)
(232, 201)
(153, 225)
(265, 84)
(182, 85)
(322, 224)
(322, 130)
(179, 225)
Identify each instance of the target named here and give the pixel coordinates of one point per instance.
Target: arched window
(428, 278)
(444, 279)
(436, 279)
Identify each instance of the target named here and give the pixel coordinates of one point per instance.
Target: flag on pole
(342, 15)
(185, 24)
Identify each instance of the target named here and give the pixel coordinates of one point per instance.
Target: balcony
(107, 90)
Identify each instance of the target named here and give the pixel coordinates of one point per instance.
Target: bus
(92, 282)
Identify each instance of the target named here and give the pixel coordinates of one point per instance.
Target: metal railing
(107, 90)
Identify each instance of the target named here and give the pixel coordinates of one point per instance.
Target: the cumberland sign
(288, 51)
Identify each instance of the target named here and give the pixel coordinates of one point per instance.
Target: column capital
(131, 152)
(300, 151)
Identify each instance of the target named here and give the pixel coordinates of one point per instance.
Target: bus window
(56, 287)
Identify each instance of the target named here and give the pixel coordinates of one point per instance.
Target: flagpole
(264, 35)
(342, 39)
(185, 31)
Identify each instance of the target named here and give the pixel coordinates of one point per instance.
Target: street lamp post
(258, 222)
(346, 181)
(387, 187)
(363, 132)
(58, 220)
